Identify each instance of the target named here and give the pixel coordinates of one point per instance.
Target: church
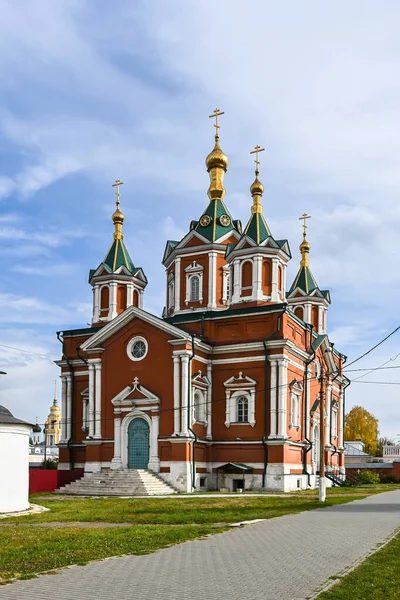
(225, 389)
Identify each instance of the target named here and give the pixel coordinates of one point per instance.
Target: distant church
(47, 437)
(223, 388)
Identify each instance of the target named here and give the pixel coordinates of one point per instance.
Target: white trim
(236, 387)
(177, 283)
(212, 274)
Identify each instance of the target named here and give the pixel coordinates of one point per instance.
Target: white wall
(14, 467)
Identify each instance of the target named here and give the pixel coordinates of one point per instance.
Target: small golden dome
(118, 217)
(217, 158)
(304, 246)
(256, 188)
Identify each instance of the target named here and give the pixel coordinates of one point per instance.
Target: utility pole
(322, 482)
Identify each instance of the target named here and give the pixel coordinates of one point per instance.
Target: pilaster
(91, 401)
(176, 360)
(177, 284)
(112, 313)
(184, 396)
(97, 431)
(282, 397)
(273, 398)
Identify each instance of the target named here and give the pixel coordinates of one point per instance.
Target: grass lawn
(26, 551)
(364, 490)
(172, 510)
(377, 578)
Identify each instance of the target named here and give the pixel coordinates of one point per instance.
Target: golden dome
(118, 217)
(256, 188)
(216, 158)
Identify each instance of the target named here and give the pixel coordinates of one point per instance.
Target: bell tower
(117, 283)
(306, 300)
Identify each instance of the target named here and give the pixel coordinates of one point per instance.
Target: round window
(137, 348)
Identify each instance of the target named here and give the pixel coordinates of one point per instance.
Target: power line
(374, 347)
(27, 351)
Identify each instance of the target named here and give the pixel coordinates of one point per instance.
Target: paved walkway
(286, 558)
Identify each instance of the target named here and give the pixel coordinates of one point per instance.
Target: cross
(256, 151)
(217, 113)
(117, 183)
(304, 218)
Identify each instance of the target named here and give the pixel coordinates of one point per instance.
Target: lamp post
(45, 447)
(322, 482)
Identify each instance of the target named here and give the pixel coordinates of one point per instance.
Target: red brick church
(224, 387)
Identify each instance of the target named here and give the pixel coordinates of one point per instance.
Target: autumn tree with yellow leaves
(361, 424)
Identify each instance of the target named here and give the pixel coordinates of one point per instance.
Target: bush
(50, 463)
(368, 477)
(390, 478)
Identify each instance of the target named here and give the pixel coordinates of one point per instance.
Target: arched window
(171, 291)
(121, 298)
(247, 278)
(242, 409)
(135, 298)
(194, 288)
(104, 298)
(228, 286)
(314, 316)
(299, 312)
(198, 402)
(295, 410)
(267, 277)
(280, 278)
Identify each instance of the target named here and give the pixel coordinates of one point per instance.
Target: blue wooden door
(138, 444)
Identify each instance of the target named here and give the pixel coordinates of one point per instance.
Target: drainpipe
(305, 380)
(264, 437)
(195, 438)
(69, 441)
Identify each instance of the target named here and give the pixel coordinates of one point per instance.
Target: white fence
(392, 451)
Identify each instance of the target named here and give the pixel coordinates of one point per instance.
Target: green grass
(27, 551)
(365, 490)
(172, 510)
(376, 578)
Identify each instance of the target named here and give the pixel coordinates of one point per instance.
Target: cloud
(28, 309)
(43, 270)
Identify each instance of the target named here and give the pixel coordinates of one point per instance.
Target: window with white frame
(242, 409)
(295, 410)
(171, 293)
(334, 423)
(226, 284)
(199, 406)
(240, 395)
(194, 288)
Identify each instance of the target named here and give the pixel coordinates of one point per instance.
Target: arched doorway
(138, 444)
(316, 447)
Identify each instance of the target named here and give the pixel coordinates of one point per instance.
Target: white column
(112, 312)
(116, 462)
(282, 398)
(273, 396)
(257, 277)
(69, 406)
(340, 432)
(63, 408)
(236, 282)
(97, 409)
(328, 414)
(274, 288)
(129, 294)
(96, 303)
(284, 283)
(91, 401)
(177, 284)
(212, 284)
(209, 401)
(185, 380)
(177, 419)
(140, 300)
(154, 462)
(227, 408)
(320, 319)
(308, 387)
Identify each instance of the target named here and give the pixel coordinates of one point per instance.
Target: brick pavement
(285, 558)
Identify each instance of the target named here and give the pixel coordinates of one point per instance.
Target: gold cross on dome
(217, 113)
(117, 183)
(256, 151)
(304, 218)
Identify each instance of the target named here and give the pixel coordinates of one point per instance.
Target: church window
(295, 410)
(194, 288)
(299, 312)
(121, 298)
(247, 278)
(228, 286)
(104, 297)
(242, 409)
(137, 348)
(334, 423)
(280, 278)
(171, 291)
(199, 406)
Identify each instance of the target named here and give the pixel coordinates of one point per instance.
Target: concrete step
(124, 482)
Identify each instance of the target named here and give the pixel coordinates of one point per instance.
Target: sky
(92, 92)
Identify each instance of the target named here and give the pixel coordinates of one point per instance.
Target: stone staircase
(122, 482)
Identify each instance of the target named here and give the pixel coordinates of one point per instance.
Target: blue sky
(95, 91)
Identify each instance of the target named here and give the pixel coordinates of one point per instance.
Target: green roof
(305, 281)
(257, 229)
(118, 256)
(215, 229)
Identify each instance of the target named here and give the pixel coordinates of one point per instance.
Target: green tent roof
(257, 229)
(215, 228)
(305, 281)
(118, 256)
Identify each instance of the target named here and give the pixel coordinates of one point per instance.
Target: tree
(383, 441)
(361, 424)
